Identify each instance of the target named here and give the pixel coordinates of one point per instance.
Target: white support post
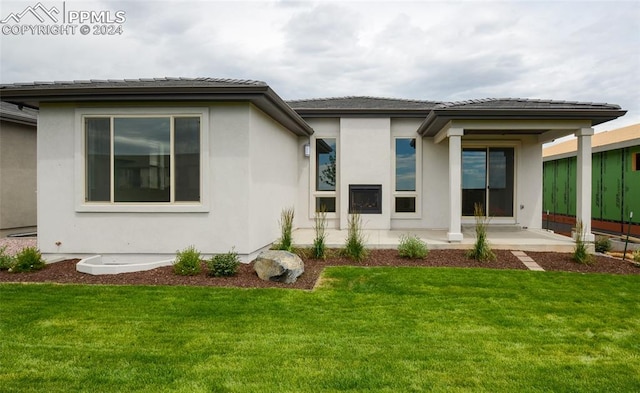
(455, 184)
(583, 189)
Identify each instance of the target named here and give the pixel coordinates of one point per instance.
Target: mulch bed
(65, 271)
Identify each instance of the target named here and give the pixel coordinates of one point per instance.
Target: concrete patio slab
(524, 240)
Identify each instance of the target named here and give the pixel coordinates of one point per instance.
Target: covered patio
(504, 128)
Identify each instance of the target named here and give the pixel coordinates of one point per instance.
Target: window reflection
(142, 160)
(405, 164)
(325, 164)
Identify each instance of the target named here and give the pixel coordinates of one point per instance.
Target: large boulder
(279, 266)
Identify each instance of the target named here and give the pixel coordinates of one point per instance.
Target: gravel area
(15, 244)
(65, 272)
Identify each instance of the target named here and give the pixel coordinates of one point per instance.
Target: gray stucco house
(145, 167)
(17, 167)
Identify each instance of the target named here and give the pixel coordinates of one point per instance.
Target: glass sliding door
(474, 179)
(487, 179)
(501, 182)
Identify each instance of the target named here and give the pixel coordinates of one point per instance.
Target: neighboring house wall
(17, 175)
(243, 188)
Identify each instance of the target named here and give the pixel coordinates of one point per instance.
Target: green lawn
(378, 330)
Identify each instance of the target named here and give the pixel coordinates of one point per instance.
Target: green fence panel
(632, 183)
(612, 185)
(548, 187)
(572, 168)
(596, 186)
(562, 179)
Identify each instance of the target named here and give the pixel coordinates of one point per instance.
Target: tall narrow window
(405, 175)
(98, 148)
(325, 174)
(142, 159)
(187, 158)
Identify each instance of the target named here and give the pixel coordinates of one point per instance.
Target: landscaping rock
(279, 266)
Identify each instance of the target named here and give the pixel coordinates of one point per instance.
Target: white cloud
(579, 50)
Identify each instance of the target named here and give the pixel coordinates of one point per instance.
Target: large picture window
(142, 159)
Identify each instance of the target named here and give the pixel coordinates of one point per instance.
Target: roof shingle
(522, 103)
(362, 102)
(141, 82)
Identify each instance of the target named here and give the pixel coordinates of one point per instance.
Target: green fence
(615, 185)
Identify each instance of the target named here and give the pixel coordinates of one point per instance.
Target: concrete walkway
(528, 261)
(499, 238)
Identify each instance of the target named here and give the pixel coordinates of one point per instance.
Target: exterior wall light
(307, 150)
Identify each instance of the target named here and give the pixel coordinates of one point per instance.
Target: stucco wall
(365, 158)
(235, 133)
(273, 185)
(529, 184)
(323, 128)
(17, 175)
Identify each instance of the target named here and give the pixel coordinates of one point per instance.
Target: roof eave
(18, 119)
(261, 96)
(439, 117)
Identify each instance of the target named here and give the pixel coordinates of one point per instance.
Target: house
(17, 168)
(615, 182)
(145, 167)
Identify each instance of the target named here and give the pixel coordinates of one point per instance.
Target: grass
(364, 329)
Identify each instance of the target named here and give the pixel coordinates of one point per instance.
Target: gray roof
(517, 109)
(158, 89)
(290, 114)
(522, 103)
(361, 106)
(16, 114)
(137, 83)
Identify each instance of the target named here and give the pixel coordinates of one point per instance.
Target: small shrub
(320, 226)
(303, 252)
(224, 265)
(603, 244)
(354, 246)
(580, 252)
(412, 247)
(187, 262)
(286, 228)
(481, 250)
(636, 255)
(5, 260)
(27, 260)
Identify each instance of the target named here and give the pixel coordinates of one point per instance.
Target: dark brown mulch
(65, 272)
(601, 264)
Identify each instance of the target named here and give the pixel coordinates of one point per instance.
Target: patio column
(455, 184)
(583, 189)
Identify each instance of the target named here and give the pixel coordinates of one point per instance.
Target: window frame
(82, 205)
(313, 177)
(406, 194)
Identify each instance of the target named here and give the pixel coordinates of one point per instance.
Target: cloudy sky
(431, 50)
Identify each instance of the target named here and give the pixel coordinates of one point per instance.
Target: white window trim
(416, 194)
(81, 205)
(312, 180)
